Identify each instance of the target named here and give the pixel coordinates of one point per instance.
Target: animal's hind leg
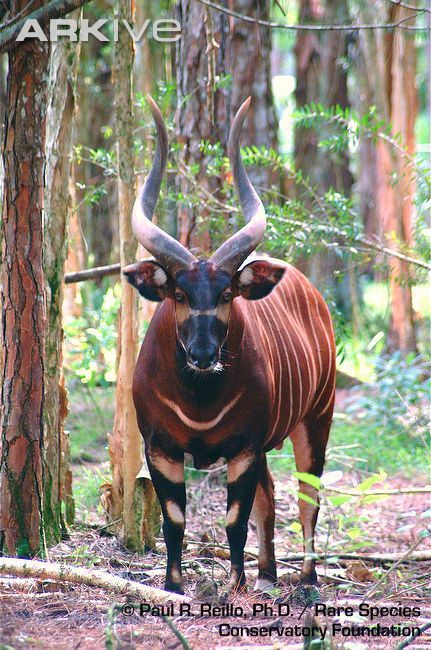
(309, 446)
(264, 512)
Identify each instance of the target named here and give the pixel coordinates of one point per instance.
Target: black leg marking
(241, 490)
(172, 497)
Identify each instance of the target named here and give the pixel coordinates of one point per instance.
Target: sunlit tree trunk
(57, 478)
(23, 300)
(72, 302)
(131, 499)
(391, 59)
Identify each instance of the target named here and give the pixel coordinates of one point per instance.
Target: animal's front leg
(168, 479)
(242, 477)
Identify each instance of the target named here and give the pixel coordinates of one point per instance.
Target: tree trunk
(212, 48)
(94, 112)
(60, 112)
(249, 63)
(72, 301)
(321, 77)
(391, 58)
(203, 110)
(23, 302)
(130, 497)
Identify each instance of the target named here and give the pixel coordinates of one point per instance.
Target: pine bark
(57, 478)
(130, 498)
(23, 300)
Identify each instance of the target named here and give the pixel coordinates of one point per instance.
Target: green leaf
(340, 499)
(310, 479)
(371, 480)
(295, 527)
(372, 498)
(308, 499)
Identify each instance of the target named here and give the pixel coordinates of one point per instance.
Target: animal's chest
(222, 429)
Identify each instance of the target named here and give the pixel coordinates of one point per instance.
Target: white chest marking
(200, 426)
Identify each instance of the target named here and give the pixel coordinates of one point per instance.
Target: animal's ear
(257, 279)
(149, 278)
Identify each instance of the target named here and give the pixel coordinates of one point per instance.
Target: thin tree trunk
(94, 112)
(404, 102)
(60, 112)
(321, 77)
(23, 300)
(391, 58)
(72, 302)
(130, 496)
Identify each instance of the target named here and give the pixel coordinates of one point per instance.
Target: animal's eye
(179, 297)
(227, 296)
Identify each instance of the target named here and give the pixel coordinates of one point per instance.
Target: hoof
(174, 587)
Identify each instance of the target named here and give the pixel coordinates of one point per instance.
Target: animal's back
(294, 326)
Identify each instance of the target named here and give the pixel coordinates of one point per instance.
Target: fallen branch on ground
(389, 491)
(418, 556)
(403, 557)
(89, 577)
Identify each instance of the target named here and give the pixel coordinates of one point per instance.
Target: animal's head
(202, 289)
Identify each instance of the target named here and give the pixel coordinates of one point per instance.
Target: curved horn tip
(243, 109)
(237, 124)
(157, 113)
(246, 104)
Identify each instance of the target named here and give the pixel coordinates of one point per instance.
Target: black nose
(203, 357)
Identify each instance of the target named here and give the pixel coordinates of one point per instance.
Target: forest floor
(47, 614)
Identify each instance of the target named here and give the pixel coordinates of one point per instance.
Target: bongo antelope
(237, 358)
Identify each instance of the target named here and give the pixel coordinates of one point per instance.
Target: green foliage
(91, 414)
(91, 341)
(397, 402)
(346, 128)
